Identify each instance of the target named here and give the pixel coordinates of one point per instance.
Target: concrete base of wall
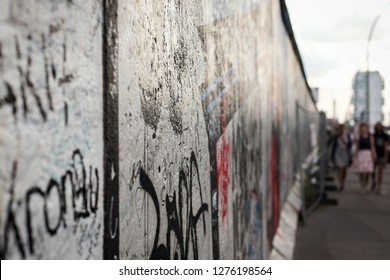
(284, 240)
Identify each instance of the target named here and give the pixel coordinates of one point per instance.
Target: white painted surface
(44, 47)
(206, 108)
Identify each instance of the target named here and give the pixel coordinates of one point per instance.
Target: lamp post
(367, 62)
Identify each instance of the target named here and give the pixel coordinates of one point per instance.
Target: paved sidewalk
(357, 228)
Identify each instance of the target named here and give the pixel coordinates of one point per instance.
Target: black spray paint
(110, 126)
(182, 225)
(84, 193)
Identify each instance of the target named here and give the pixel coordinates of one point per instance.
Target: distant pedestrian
(341, 154)
(364, 156)
(352, 135)
(381, 141)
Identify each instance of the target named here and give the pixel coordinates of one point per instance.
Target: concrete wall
(147, 129)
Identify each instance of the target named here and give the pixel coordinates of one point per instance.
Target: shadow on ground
(357, 228)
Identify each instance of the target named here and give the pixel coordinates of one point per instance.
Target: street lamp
(367, 61)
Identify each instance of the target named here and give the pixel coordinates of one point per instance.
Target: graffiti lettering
(11, 225)
(223, 171)
(27, 89)
(182, 225)
(84, 202)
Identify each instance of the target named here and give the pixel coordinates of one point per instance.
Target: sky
(332, 39)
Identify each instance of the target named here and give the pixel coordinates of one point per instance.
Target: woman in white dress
(341, 154)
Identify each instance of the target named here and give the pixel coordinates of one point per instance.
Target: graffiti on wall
(156, 130)
(183, 216)
(162, 128)
(77, 183)
(50, 109)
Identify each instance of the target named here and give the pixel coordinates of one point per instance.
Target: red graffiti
(275, 182)
(223, 165)
(223, 173)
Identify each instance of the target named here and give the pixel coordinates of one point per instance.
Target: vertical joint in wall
(110, 124)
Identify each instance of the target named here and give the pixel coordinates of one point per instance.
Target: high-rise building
(376, 100)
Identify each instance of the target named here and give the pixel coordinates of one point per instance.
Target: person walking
(364, 156)
(381, 141)
(341, 154)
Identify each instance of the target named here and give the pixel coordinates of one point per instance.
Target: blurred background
(333, 38)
